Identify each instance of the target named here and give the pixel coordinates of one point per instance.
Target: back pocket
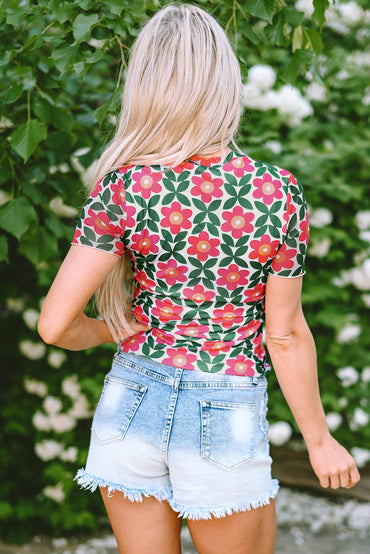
(227, 432)
(118, 403)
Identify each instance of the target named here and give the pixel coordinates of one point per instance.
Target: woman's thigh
(249, 532)
(146, 526)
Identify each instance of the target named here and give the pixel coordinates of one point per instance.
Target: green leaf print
(169, 198)
(230, 203)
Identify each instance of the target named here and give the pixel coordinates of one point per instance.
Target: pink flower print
(145, 243)
(119, 196)
(290, 209)
(162, 337)
(249, 329)
(133, 343)
(140, 316)
(97, 189)
(180, 357)
(216, 347)
(76, 236)
(119, 248)
(203, 246)
(258, 348)
(305, 228)
(206, 162)
(198, 294)
(166, 310)
(240, 366)
(228, 316)
(144, 281)
(239, 166)
(102, 224)
(130, 221)
(176, 217)
(237, 222)
(125, 168)
(206, 187)
(146, 182)
(183, 166)
(267, 188)
(252, 295)
(263, 249)
(232, 277)
(172, 272)
(193, 330)
(292, 179)
(284, 172)
(283, 258)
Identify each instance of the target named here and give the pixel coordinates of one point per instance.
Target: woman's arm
(62, 321)
(293, 354)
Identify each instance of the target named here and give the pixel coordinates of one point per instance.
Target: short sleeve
(102, 221)
(289, 260)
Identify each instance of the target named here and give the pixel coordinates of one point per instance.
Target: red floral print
(203, 246)
(139, 315)
(145, 243)
(172, 272)
(268, 189)
(198, 294)
(259, 349)
(240, 366)
(176, 217)
(119, 196)
(206, 162)
(193, 330)
(228, 316)
(76, 236)
(290, 209)
(102, 224)
(263, 249)
(249, 329)
(238, 222)
(162, 337)
(214, 348)
(130, 212)
(165, 310)
(97, 190)
(239, 166)
(180, 357)
(232, 277)
(119, 248)
(283, 258)
(146, 182)
(144, 281)
(206, 187)
(252, 295)
(305, 228)
(183, 167)
(124, 169)
(133, 343)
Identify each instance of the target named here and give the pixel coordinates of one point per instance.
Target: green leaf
(297, 39)
(59, 117)
(115, 6)
(275, 32)
(41, 247)
(314, 40)
(64, 57)
(25, 139)
(12, 94)
(264, 9)
(298, 62)
(319, 12)
(3, 249)
(82, 26)
(16, 216)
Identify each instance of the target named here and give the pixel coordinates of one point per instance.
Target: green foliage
(61, 64)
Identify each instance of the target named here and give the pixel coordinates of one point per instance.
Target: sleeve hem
(96, 248)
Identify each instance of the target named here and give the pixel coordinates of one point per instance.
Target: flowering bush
(306, 108)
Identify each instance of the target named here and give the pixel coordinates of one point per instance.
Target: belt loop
(255, 380)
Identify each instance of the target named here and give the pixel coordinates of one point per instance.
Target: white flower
(360, 417)
(305, 6)
(57, 358)
(30, 318)
(360, 455)
(365, 375)
(290, 103)
(320, 217)
(359, 59)
(362, 220)
(320, 248)
(41, 421)
(69, 455)
(348, 333)
(364, 235)
(71, 387)
(333, 420)
(315, 91)
(15, 304)
(4, 197)
(48, 449)
(52, 405)
(35, 387)
(62, 422)
(32, 350)
(80, 408)
(55, 493)
(279, 433)
(360, 276)
(262, 76)
(348, 375)
(350, 12)
(366, 300)
(60, 209)
(342, 75)
(343, 402)
(274, 145)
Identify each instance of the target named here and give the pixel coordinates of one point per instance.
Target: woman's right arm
(293, 355)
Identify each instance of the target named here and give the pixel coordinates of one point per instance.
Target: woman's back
(202, 238)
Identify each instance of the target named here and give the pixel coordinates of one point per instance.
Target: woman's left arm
(62, 321)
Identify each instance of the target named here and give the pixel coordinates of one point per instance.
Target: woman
(217, 243)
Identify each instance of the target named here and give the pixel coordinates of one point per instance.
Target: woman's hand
(333, 464)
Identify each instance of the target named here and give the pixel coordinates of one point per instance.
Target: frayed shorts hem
(91, 482)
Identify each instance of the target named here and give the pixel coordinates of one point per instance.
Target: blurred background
(306, 107)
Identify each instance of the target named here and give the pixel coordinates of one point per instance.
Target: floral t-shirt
(202, 238)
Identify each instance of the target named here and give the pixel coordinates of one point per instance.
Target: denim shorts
(197, 440)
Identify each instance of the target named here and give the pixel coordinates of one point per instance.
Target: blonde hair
(181, 98)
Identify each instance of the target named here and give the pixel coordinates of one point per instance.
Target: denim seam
(148, 372)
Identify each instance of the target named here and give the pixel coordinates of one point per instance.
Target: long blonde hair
(181, 98)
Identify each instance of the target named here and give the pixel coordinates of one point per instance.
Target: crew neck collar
(214, 160)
